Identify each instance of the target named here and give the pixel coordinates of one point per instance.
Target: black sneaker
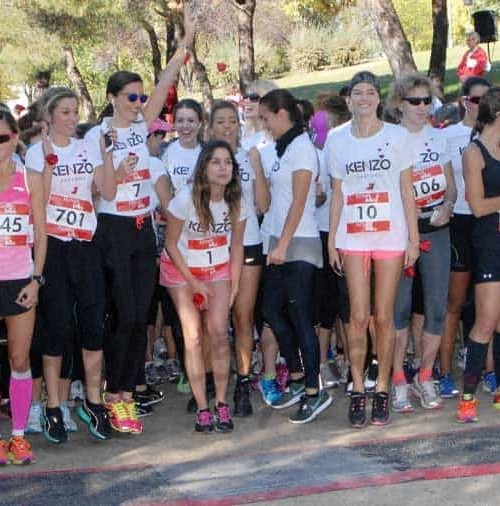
(357, 410)
(204, 421)
(223, 420)
(96, 418)
(192, 407)
(143, 411)
(52, 424)
(370, 381)
(241, 399)
(310, 407)
(148, 397)
(380, 408)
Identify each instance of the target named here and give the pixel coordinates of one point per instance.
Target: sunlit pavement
(266, 459)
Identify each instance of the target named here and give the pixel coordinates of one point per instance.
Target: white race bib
(429, 185)
(206, 255)
(14, 224)
(368, 211)
(130, 192)
(69, 217)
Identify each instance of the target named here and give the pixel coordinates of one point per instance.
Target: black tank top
(487, 228)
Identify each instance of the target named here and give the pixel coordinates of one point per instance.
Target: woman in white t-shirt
(294, 253)
(435, 195)
(180, 156)
(224, 125)
(461, 228)
(201, 268)
(373, 225)
(125, 230)
(72, 169)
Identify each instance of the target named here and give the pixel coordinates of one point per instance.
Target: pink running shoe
(282, 376)
(135, 424)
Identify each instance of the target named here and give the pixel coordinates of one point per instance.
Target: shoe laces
(4, 446)
(19, 445)
(119, 410)
(358, 402)
(381, 401)
(467, 408)
(223, 413)
(204, 417)
(131, 410)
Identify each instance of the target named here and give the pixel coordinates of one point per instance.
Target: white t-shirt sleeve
(179, 205)
(156, 169)
(34, 159)
(304, 159)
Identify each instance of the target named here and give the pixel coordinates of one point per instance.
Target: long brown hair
(201, 187)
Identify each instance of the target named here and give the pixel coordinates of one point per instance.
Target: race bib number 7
(206, 255)
(130, 194)
(368, 212)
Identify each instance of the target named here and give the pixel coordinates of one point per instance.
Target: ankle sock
(398, 378)
(424, 375)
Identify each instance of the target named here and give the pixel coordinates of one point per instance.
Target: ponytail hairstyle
(201, 187)
(115, 84)
(488, 110)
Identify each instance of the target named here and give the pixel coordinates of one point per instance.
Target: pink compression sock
(20, 393)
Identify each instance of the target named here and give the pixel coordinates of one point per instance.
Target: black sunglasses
(418, 100)
(134, 97)
(253, 97)
(473, 100)
(5, 138)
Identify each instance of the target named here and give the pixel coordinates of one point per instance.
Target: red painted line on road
(431, 474)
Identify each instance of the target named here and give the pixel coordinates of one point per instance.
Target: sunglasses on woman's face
(472, 100)
(134, 97)
(253, 97)
(418, 100)
(5, 138)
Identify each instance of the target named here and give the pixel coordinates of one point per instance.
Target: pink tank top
(15, 229)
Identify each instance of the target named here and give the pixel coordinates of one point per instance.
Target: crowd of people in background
(288, 245)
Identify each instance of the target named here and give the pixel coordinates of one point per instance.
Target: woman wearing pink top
(21, 201)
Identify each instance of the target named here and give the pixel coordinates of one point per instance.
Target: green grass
(307, 85)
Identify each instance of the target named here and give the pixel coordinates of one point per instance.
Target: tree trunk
(155, 48)
(201, 75)
(79, 85)
(437, 65)
(392, 36)
(246, 10)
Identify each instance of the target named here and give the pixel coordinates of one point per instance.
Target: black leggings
(129, 251)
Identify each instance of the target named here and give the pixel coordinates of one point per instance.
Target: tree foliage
(314, 9)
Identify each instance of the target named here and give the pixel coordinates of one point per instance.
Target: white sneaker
(173, 369)
(77, 391)
(33, 426)
(328, 378)
(427, 394)
(69, 423)
(400, 400)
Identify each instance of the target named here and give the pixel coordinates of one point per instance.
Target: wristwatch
(39, 278)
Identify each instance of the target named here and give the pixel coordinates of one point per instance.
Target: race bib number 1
(206, 255)
(368, 212)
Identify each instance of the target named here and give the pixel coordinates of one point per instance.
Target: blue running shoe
(489, 382)
(447, 386)
(270, 390)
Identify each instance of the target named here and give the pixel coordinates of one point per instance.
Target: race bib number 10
(368, 212)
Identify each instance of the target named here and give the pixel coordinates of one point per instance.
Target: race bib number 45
(368, 212)
(206, 255)
(14, 224)
(429, 185)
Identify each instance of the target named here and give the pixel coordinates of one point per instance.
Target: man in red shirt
(475, 61)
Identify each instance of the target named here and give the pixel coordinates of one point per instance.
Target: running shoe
(33, 425)
(343, 368)
(135, 425)
(241, 399)
(153, 377)
(270, 390)
(69, 423)
(496, 400)
(380, 409)
(370, 381)
(310, 407)
(348, 388)
(183, 385)
(291, 396)
(204, 421)
(118, 416)
(400, 399)
(426, 392)
(4, 452)
(489, 382)
(143, 411)
(411, 369)
(357, 410)
(52, 424)
(20, 451)
(223, 420)
(282, 376)
(173, 369)
(467, 411)
(447, 386)
(97, 419)
(77, 392)
(160, 349)
(5, 411)
(328, 378)
(148, 397)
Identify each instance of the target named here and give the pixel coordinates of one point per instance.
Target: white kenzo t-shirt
(247, 179)
(134, 193)
(269, 160)
(202, 248)
(70, 209)
(299, 155)
(372, 216)
(458, 138)
(180, 164)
